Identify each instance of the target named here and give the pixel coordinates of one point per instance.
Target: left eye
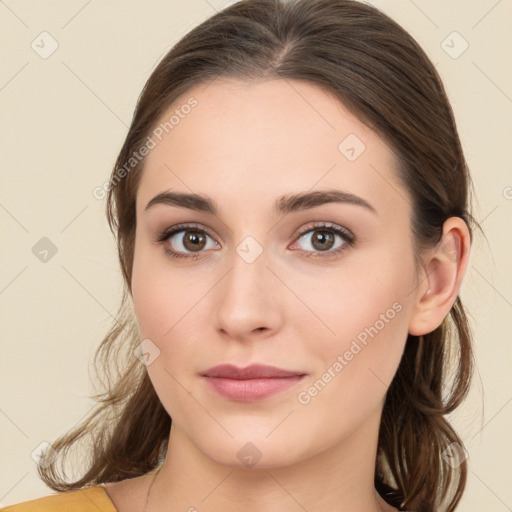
(323, 239)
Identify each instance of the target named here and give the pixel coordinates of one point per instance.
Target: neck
(340, 478)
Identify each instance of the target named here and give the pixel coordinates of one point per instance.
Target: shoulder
(90, 499)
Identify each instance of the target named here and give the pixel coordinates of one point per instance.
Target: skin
(245, 145)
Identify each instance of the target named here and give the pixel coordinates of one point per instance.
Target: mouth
(255, 382)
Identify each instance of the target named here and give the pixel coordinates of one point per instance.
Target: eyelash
(347, 236)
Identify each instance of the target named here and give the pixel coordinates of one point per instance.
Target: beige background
(63, 120)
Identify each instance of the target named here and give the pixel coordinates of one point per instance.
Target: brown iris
(194, 240)
(322, 240)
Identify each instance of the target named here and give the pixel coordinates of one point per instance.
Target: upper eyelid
(327, 225)
(187, 227)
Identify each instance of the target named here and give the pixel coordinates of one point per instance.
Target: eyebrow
(282, 206)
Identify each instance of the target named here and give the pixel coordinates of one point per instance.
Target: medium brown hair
(377, 70)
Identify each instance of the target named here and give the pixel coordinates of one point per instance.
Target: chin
(252, 449)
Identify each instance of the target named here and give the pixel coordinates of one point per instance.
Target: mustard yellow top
(90, 499)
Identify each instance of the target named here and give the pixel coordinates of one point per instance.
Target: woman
(291, 207)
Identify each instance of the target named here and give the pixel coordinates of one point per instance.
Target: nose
(249, 299)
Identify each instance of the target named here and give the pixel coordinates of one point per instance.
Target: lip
(255, 382)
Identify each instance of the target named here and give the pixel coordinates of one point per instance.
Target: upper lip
(254, 371)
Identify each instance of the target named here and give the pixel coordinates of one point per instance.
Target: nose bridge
(249, 263)
(247, 298)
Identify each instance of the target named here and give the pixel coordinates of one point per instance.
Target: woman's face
(266, 279)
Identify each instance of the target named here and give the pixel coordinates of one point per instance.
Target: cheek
(363, 317)
(353, 368)
(159, 295)
(164, 312)
(348, 301)
(149, 300)
(168, 306)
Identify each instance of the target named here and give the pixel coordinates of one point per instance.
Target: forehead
(248, 142)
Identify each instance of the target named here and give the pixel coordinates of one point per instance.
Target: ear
(443, 270)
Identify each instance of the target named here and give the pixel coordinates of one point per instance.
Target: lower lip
(250, 390)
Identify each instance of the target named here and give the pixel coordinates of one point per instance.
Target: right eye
(186, 241)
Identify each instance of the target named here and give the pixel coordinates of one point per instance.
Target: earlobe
(444, 268)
